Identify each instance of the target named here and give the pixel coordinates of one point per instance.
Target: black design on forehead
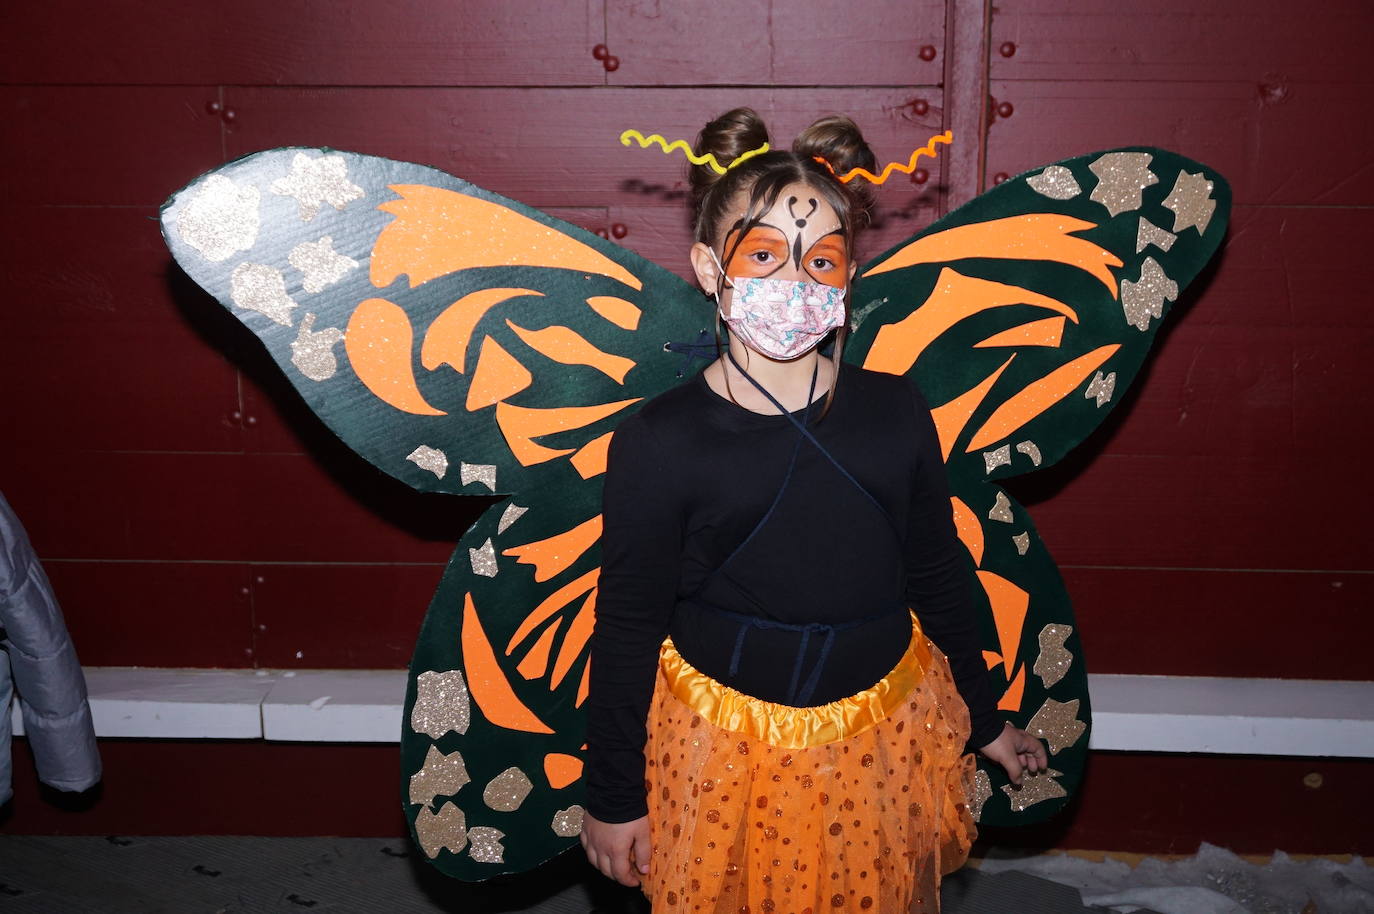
(792, 210)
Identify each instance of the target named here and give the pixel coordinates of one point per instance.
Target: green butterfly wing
(1023, 316)
(457, 340)
(462, 343)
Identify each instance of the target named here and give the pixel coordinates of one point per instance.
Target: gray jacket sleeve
(40, 657)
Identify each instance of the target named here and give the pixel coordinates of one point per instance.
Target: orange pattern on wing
(1012, 697)
(1033, 236)
(563, 344)
(951, 418)
(1038, 396)
(992, 659)
(378, 342)
(446, 340)
(562, 769)
(499, 375)
(590, 460)
(898, 345)
(575, 640)
(438, 231)
(520, 424)
(1045, 332)
(556, 554)
(616, 310)
(969, 529)
(487, 684)
(585, 685)
(536, 662)
(1009, 605)
(552, 604)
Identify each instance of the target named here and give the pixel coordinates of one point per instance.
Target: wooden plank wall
(192, 512)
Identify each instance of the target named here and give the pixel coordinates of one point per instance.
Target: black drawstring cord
(704, 347)
(820, 447)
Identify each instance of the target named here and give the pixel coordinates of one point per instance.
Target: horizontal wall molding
(1229, 716)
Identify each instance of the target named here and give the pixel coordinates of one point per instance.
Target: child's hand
(613, 848)
(1016, 751)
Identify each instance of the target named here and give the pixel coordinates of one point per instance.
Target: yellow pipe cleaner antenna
(927, 150)
(707, 159)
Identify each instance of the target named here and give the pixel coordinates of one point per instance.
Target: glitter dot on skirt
(857, 805)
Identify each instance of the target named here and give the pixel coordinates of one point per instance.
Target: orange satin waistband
(785, 726)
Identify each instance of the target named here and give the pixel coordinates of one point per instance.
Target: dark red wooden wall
(191, 512)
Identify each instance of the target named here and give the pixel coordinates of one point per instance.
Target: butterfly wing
(1023, 316)
(457, 340)
(462, 343)
(493, 745)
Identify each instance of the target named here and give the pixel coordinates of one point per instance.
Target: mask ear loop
(725, 373)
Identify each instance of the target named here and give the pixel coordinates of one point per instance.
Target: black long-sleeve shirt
(688, 477)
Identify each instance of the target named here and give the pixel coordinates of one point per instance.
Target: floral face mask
(782, 318)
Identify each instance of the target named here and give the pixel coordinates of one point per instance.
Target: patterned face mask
(783, 318)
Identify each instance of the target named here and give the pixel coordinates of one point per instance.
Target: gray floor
(188, 875)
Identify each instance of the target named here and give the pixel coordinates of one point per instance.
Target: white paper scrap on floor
(1212, 881)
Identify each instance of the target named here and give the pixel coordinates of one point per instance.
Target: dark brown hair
(837, 139)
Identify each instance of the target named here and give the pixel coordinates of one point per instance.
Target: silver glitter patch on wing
(1149, 234)
(258, 287)
(444, 829)
(320, 264)
(1100, 388)
(1055, 182)
(1192, 203)
(1031, 450)
(982, 792)
(442, 703)
(567, 823)
(507, 790)
(485, 473)
(509, 516)
(483, 560)
(1022, 542)
(860, 314)
(428, 458)
(317, 181)
(1144, 298)
(1001, 509)
(485, 844)
(221, 219)
(1055, 659)
(1121, 178)
(1057, 723)
(994, 459)
(440, 776)
(312, 351)
(1035, 788)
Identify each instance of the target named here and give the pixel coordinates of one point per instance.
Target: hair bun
(727, 138)
(839, 141)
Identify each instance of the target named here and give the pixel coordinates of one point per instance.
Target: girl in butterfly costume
(768, 527)
(465, 343)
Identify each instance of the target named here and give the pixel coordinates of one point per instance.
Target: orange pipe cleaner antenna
(927, 150)
(707, 159)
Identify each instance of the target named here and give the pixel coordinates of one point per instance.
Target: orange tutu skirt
(856, 805)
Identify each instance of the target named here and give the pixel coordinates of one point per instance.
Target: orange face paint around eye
(747, 259)
(830, 248)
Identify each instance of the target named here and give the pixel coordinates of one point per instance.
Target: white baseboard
(1291, 717)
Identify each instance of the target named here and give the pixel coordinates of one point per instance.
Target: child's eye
(761, 256)
(821, 263)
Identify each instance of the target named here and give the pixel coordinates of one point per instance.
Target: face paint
(764, 250)
(788, 268)
(782, 318)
